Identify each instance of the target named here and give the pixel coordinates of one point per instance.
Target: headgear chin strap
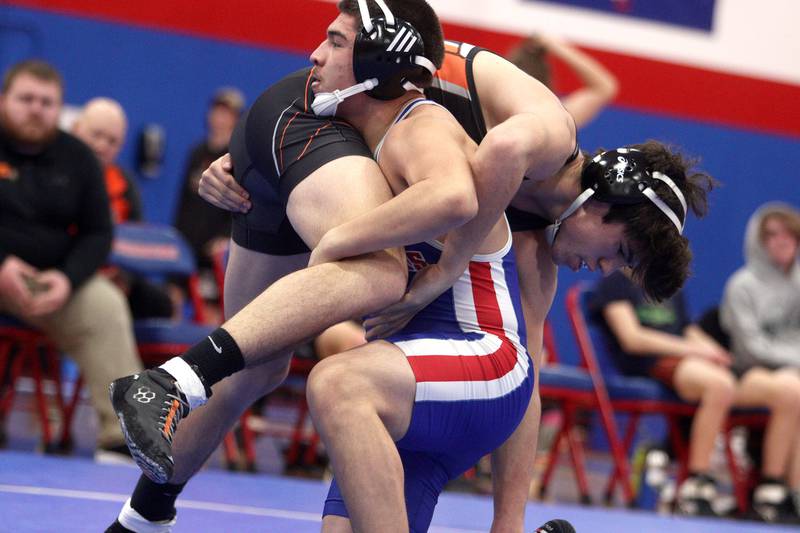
(386, 51)
(621, 177)
(325, 104)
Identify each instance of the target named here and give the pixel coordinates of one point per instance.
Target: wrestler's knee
(331, 387)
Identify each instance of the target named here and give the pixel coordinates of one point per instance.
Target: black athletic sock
(702, 476)
(215, 357)
(153, 501)
(767, 480)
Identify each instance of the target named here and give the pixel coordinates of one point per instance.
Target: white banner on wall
(756, 38)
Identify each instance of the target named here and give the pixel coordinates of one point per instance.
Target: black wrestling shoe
(555, 526)
(149, 406)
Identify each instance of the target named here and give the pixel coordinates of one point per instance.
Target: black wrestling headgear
(621, 176)
(387, 50)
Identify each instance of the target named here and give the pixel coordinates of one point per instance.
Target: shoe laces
(172, 412)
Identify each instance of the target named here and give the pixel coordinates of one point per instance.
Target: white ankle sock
(132, 520)
(188, 381)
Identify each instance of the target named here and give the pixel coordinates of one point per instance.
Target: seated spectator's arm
(15, 291)
(636, 339)
(739, 317)
(695, 333)
(92, 243)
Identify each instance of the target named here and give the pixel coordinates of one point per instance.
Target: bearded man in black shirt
(55, 232)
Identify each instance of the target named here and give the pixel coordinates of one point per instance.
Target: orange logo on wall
(7, 172)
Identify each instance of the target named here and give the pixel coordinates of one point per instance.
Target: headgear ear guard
(621, 177)
(387, 51)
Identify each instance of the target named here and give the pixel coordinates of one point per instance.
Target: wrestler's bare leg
(294, 307)
(303, 304)
(361, 402)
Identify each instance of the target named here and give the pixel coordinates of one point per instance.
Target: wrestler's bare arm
(432, 179)
(530, 132)
(484, 233)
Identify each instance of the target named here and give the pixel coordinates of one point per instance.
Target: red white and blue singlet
(474, 375)
(467, 352)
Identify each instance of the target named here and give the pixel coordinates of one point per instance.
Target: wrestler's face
(584, 238)
(333, 58)
(29, 110)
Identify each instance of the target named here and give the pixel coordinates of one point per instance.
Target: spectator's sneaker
(696, 496)
(772, 502)
(149, 406)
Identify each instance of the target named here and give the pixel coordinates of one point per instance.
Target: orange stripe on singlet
(454, 68)
(305, 108)
(311, 139)
(451, 47)
(283, 134)
(308, 82)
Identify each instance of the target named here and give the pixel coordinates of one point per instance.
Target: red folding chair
(637, 396)
(23, 348)
(576, 388)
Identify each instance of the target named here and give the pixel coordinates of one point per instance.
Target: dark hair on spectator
(531, 57)
(662, 255)
(417, 13)
(35, 67)
(787, 216)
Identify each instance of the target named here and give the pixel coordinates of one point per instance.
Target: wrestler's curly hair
(662, 255)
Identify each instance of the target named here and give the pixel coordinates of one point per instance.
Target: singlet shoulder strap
(404, 112)
(573, 155)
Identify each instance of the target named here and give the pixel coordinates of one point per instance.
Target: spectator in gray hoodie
(761, 313)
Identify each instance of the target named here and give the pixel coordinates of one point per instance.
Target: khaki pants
(94, 328)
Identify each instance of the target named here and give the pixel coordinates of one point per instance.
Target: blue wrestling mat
(52, 494)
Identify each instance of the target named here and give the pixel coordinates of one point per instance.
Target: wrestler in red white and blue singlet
(474, 375)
